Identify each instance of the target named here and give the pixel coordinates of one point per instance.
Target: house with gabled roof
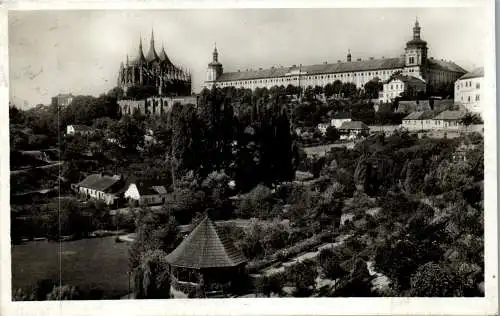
(449, 120)
(145, 192)
(353, 129)
(79, 129)
(101, 187)
(420, 120)
(399, 85)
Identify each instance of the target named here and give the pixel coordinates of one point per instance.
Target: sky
(53, 52)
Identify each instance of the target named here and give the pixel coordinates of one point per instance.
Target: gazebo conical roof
(206, 247)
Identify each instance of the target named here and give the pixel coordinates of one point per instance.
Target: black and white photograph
(251, 153)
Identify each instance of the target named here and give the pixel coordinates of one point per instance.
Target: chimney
(238, 70)
(359, 59)
(325, 62)
(260, 68)
(294, 66)
(371, 58)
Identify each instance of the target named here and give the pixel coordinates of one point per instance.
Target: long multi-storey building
(413, 63)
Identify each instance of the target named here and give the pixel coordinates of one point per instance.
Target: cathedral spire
(152, 56)
(140, 53)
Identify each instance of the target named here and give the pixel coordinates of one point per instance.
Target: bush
(257, 203)
(303, 277)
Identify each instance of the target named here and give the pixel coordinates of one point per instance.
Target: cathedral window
(478, 86)
(477, 97)
(411, 60)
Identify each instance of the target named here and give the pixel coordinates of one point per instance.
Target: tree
(152, 276)
(156, 230)
(186, 141)
(337, 87)
(303, 276)
(63, 293)
(332, 134)
(470, 118)
(348, 89)
(434, 280)
(373, 87)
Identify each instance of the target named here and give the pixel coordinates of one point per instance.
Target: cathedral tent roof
(353, 66)
(140, 55)
(152, 56)
(206, 247)
(164, 58)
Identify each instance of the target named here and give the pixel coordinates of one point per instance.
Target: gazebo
(206, 263)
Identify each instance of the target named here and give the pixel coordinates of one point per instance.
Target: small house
(399, 84)
(449, 120)
(101, 187)
(353, 129)
(338, 119)
(146, 193)
(79, 129)
(421, 120)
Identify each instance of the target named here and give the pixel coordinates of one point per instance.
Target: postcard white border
(315, 306)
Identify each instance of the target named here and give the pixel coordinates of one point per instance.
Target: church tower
(416, 49)
(214, 69)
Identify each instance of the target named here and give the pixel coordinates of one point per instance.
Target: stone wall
(154, 105)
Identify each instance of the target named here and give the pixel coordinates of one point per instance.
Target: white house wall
(468, 92)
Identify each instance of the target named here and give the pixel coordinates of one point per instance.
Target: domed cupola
(416, 42)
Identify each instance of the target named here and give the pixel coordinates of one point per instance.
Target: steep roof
(353, 125)
(419, 115)
(152, 56)
(407, 79)
(140, 55)
(445, 65)
(206, 247)
(341, 116)
(164, 58)
(352, 66)
(147, 187)
(82, 128)
(99, 182)
(450, 115)
(476, 73)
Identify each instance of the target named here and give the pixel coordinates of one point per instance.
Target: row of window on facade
(429, 122)
(276, 80)
(468, 98)
(468, 84)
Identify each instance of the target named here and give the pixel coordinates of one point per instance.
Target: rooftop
(476, 73)
(339, 67)
(150, 187)
(99, 182)
(206, 247)
(407, 79)
(450, 115)
(419, 115)
(354, 125)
